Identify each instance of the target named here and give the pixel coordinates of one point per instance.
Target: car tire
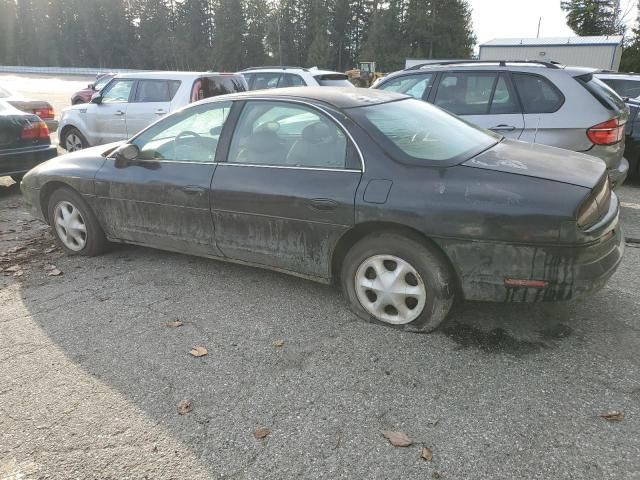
(74, 225)
(421, 294)
(72, 140)
(17, 178)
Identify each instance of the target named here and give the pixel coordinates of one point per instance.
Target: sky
(519, 18)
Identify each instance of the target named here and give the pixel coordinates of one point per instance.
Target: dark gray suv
(537, 102)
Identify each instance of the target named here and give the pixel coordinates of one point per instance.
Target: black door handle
(193, 190)
(323, 204)
(505, 128)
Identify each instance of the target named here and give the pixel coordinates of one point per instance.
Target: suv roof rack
(267, 67)
(502, 63)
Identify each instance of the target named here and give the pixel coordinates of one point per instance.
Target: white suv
(132, 101)
(261, 78)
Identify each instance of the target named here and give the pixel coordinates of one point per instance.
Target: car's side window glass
(189, 136)
(537, 94)
(266, 80)
(414, 85)
(118, 91)
(292, 80)
(504, 101)
(465, 93)
(156, 90)
(249, 78)
(286, 134)
(624, 88)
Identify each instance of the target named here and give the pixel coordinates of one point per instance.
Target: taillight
(34, 131)
(606, 133)
(44, 112)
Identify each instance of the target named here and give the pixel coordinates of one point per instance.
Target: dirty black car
(24, 141)
(403, 205)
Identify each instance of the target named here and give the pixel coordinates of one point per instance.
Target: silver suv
(538, 102)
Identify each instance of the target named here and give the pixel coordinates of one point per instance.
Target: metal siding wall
(597, 56)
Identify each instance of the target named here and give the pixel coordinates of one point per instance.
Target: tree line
(227, 35)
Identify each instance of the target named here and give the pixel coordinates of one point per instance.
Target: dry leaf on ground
(184, 406)
(50, 250)
(261, 433)
(613, 415)
(48, 268)
(54, 273)
(13, 268)
(198, 351)
(278, 343)
(397, 439)
(19, 273)
(174, 324)
(426, 454)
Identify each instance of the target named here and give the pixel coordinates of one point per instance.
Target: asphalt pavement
(93, 370)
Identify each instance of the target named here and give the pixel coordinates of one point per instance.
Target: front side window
(287, 134)
(190, 135)
(292, 80)
(156, 90)
(414, 85)
(266, 80)
(538, 95)
(466, 93)
(412, 129)
(118, 91)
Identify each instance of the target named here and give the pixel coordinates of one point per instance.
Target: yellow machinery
(364, 75)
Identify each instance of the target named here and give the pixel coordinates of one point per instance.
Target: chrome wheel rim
(390, 289)
(72, 143)
(70, 226)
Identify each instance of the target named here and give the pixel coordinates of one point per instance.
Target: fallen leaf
(50, 250)
(174, 324)
(426, 454)
(54, 273)
(278, 343)
(198, 351)
(49, 267)
(17, 248)
(13, 268)
(184, 406)
(613, 415)
(19, 273)
(397, 439)
(261, 433)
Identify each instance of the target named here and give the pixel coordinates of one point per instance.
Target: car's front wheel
(74, 225)
(72, 140)
(399, 281)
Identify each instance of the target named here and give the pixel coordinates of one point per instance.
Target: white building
(597, 52)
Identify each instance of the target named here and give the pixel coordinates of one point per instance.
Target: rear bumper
(619, 175)
(565, 272)
(20, 160)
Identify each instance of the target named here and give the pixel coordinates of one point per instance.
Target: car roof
(339, 97)
(171, 75)
(312, 71)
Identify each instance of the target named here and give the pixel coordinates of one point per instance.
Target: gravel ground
(92, 374)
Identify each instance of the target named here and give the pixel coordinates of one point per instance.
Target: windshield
(602, 92)
(4, 93)
(333, 80)
(417, 130)
(102, 82)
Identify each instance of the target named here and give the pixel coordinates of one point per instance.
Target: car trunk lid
(541, 161)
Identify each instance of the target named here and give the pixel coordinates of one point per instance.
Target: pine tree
(227, 39)
(594, 17)
(256, 17)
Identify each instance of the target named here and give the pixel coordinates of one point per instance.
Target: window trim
(512, 75)
(312, 106)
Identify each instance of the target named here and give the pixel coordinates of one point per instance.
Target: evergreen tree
(631, 54)
(256, 17)
(227, 39)
(594, 17)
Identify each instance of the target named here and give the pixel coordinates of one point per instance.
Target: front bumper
(20, 160)
(619, 175)
(568, 272)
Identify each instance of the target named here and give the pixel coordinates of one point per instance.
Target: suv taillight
(606, 133)
(44, 112)
(34, 131)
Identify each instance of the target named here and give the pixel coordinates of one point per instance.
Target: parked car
(627, 85)
(85, 95)
(401, 203)
(538, 102)
(132, 101)
(24, 141)
(42, 109)
(262, 78)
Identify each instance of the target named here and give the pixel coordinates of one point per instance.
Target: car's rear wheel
(74, 225)
(398, 281)
(72, 140)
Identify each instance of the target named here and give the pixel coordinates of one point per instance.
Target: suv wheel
(72, 140)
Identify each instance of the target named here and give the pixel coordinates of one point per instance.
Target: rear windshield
(417, 130)
(333, 80)
(601, 92)
(213, 86)
(624, 88)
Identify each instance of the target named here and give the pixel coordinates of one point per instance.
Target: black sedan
(403, 205)
(24, 142)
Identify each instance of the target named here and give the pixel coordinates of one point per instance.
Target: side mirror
(91, 86)
(97, 99)
(125, 154)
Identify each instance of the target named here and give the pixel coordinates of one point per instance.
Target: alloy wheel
(70, 226)
(73, 143)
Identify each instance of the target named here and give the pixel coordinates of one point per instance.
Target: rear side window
(213, 86)
(156, 90)
(291, 80)
(333, 80)
(466, 93)
(601, 92)
(537, 94)
(266, 80)
(414, 85)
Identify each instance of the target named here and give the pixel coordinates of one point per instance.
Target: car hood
(541, 161)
